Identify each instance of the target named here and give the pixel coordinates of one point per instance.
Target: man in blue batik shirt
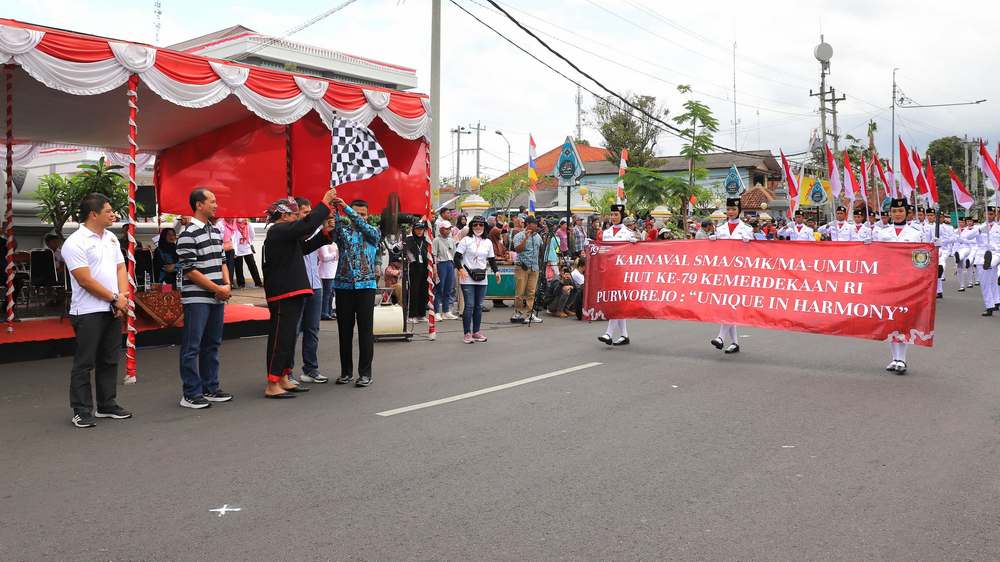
(354, 286)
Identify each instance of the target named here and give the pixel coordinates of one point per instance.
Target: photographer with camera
(472, 255)
(560, 294)
(527, 244)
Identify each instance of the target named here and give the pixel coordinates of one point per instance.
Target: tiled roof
(762, 159)
(753, 197)
(547, 162)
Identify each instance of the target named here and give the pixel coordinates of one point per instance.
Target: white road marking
(388, 413)
(224, 509)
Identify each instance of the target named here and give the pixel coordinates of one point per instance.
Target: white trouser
(898, 350)
(988, 285)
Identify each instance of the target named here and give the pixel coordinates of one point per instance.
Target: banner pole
(431, 327)
(9, 215)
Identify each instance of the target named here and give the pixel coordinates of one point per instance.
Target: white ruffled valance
(23, 153)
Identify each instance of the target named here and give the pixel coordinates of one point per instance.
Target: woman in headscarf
(418, 254)
(165, 257)
(500, 251)
(461, 227)
(244, 253)
(229, 231)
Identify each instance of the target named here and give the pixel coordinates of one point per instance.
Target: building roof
(547, 162)
(753, 197)
(208, 38)
(759, 159)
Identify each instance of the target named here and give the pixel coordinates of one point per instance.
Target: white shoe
(449, 316)
(437, 316)
(533, 319)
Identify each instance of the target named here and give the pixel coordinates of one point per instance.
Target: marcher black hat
(841, 208)
(734, 202)
(799, 213)
(859, 211)
(899, 204)
(618, 208)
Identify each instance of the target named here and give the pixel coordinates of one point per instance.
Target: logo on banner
(817, 194)
(921, 258)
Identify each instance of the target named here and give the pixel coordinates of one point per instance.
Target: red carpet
(39, 339)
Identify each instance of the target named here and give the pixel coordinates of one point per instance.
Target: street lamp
(509, 176)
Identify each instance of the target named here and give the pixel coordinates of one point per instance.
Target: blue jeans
(309, 328)
(327, 297)
(472, 316)
(199, 357)
(446, 284)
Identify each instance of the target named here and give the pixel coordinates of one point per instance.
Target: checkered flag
(356, 154)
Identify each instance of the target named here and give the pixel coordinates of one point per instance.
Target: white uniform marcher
(840, 231)
(982, 235)
(899, 233)
(963, 248)
(617, 232)
(733, 229)
(798, 232)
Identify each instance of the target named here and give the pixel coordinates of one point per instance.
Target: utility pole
(579, 113)
(459, 131)
(435, 171)
(833, 102)
(736, 119)
(893, 143)
(823, 53)
(478, 129)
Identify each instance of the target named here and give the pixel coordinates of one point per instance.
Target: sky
(641, 46)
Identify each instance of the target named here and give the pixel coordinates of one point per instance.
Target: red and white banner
(793, 186)
(961, 194)
(833, 173)
(906, 168)
(879, 291)
(988, 166)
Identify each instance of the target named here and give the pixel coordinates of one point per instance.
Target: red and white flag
(918, 175)
(850, 180)
(932, 181)
(906, 168)
(621, 172)
(961, 194)
(988, 166)
(793, 186)
(831, 167)
(888, 182)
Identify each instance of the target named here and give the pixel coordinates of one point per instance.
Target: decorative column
(133, 86)
(288, 160)
(431, 328)
(9, 215)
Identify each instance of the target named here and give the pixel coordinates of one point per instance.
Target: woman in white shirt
(328, 256)
(472, 255)
(244, 253)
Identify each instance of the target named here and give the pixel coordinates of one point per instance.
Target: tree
(500, 193)
(644, 188)
(622, 127)
(603, 200)
(942, 153)
(106, 180)
(59, 199)
(701, 125)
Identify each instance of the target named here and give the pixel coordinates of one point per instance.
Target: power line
(667, 127)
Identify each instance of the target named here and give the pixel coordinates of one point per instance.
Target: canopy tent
(209, 121)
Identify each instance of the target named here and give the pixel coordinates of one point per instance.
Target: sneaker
(533, 318)
(315, 377)
(517, 317)
(364, 381)
(84, 420)
(291, 379)
(218, 396)
(115, 412)
(437, 317)
(478, 336)
(449, 316)
(196, 403)
(468, 338)
(345, 379)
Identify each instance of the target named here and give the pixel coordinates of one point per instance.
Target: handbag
(476, 274)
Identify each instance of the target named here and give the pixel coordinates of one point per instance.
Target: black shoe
(733, 348)
(327, 318)
(280, 396)
(298, 388)
(345, 379)
(500, 305)
(996, 307)
(900, 367)
(621, 341)
(988, 312)
(115, 412)
(196, 403)
(961, 289)
(718, 343)
(892, 365)
(976, 283)
(364, 381)
(940, 296)
(85, 419)
(218, 396)
(606, 338)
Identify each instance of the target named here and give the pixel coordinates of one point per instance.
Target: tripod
(542, 285)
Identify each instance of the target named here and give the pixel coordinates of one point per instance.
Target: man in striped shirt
(201, 261)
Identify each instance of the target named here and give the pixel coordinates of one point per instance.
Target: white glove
(712, 237)
(937, 241)
(633, 239)
(868, 240)
(746, 238)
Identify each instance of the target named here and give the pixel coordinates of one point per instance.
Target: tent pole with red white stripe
(9, 213)
(133, 87)
(622, 168)
(431, 328)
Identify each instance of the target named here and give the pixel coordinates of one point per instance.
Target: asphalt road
(801, 447)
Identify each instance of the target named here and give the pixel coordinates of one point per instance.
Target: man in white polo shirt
(100, 285)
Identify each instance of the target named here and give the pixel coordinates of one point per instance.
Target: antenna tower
(157, 12)
(579, 113)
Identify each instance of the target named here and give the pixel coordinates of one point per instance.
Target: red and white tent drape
(86, 65)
